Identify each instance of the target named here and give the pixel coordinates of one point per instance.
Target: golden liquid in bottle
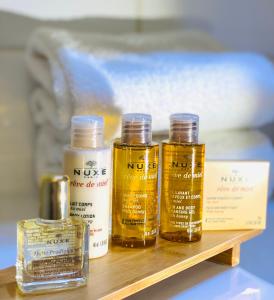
(51, 254)
(134, 207)
(182, 191)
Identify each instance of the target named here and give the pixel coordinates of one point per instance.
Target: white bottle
(88, 164)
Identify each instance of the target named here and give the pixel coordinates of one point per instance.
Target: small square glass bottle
(52, 251)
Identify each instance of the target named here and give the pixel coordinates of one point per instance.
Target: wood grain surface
(123, 272)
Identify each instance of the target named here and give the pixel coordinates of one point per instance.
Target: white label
(89, 172)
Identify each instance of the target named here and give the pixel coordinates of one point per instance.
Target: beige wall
(240, 24)
(52, 9)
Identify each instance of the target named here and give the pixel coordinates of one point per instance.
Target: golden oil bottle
(135, 173)
(182, 180)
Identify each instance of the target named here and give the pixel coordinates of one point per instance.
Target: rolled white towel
(45, 109)
(53, 103)
(48, 156)
(226, 90)
(106, 75)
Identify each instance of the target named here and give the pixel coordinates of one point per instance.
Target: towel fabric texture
(158, 74)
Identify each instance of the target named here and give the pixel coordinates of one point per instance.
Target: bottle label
(182, 188)
(89, 172)
(51, 252)
(135, 192)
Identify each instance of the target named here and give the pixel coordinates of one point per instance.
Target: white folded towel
(111, 75)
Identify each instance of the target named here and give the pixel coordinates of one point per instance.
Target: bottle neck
(186, 138)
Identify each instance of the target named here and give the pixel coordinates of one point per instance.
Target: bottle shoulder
(39, 223)
(169, 143)
(69, 149)
(118, 144)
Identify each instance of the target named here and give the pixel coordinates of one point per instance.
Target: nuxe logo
(91, 163)
(141, 164)
(234, 177)
(90, 171)
(58, 240)
(185, 164)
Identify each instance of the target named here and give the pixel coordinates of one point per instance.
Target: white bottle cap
(87, 131)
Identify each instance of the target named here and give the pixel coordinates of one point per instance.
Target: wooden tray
(124, 272)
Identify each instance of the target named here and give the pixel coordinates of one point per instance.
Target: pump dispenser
(135, 173)
(87, 161)
(182, 180)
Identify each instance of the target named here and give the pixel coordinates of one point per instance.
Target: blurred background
(245, 25)
(36, 103)
(240, 25)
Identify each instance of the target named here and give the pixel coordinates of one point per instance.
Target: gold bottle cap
(54, 197)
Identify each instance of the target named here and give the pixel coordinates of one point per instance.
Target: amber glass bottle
(182, 181)
(135, 173)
